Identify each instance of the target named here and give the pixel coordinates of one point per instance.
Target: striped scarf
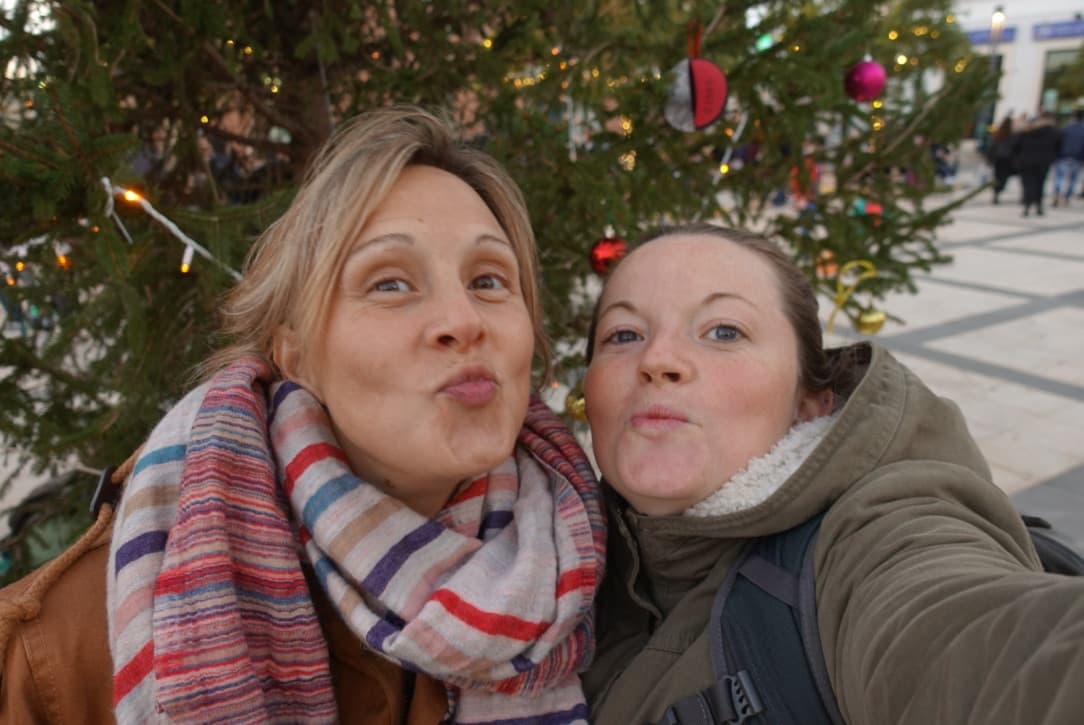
(211, 618)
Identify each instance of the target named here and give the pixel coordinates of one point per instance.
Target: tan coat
(931, 605)
(57, 668)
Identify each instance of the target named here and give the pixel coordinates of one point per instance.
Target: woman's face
(425, 362)
(695, 371)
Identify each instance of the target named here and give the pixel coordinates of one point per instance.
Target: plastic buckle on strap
(669, 717)
(106, 492)
(743, 697)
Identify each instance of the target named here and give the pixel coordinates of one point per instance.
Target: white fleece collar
(764, 475)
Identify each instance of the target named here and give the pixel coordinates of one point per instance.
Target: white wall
(1023, 58)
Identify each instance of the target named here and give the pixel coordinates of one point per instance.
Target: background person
(717, 417)
(1035, 149)
(362, 516)
(1067, 167)
(999, 155)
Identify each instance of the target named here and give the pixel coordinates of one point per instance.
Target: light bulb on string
(186, 260)
(132, 197)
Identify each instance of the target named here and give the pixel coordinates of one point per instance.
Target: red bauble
(697, 94)
(865, 80)
(605, 253)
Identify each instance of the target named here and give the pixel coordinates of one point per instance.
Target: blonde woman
(362, 515)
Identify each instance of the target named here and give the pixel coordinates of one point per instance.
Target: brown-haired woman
(362, 516)
(718, 418)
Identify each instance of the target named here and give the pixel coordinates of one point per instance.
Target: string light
(20, 266)
(171, 227)
(186, 260)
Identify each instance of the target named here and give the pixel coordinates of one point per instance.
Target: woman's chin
(662, 485)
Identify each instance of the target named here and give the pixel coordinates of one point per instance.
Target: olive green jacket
(931, 605)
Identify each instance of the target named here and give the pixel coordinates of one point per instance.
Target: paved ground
(1001, 332)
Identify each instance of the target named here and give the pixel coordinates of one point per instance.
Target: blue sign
(982, 37)
(1067, 29)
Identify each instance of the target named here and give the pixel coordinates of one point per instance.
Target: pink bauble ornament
(865, 80)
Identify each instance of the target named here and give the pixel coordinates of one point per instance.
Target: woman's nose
(457, 323)
(664, 361)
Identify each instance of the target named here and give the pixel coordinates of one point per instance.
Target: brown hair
(291, 272)
(818, 369)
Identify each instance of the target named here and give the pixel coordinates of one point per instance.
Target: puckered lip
(474, 373)
(657, 415)
(472, 386)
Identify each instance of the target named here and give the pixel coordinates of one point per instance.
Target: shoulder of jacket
(21, 601)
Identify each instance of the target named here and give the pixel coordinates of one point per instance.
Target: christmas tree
(207, 112)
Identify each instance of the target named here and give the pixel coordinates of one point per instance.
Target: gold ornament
(870, 322)
(576, 406)
(845, 288)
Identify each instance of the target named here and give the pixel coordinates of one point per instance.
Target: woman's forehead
(692, 264)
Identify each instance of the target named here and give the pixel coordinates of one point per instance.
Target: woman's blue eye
(391, 285)
(487, 282)
(620, 337)
(724, 333)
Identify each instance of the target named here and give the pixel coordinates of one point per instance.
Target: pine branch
(25, 154)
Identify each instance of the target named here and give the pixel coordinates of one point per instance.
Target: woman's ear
(286, 353)
(814, 405)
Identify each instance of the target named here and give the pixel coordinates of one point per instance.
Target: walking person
(1067, 167)
(999, 155)
(1034, 151)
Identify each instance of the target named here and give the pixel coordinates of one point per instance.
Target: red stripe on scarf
(582, 579)
(133, 673)
(308, 455)
(499, 624)
(476, 488)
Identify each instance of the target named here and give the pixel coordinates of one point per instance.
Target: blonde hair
(291, 272)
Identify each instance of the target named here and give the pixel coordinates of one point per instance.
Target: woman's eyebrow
(390, 238)
(617, 304)
(493, 239)
(717, 296)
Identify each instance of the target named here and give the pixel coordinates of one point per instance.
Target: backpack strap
(729, 700)
(1057, 556)
(764, 641)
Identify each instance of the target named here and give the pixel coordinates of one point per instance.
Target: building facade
(1031, 40)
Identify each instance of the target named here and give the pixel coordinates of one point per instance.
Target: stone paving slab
(1000, 331)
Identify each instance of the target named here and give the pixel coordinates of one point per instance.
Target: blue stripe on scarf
(166, 454)
(327, 495)
(387, 567)
(281, 392)
(521, 663)
(148, 543)
(496, 521)
(323, 568)
(379, 632)
(579, 712)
